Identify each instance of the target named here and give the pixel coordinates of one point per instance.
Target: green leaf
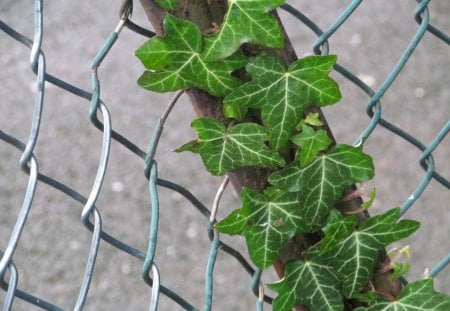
(234, 224)
(400, 269)
(245, 21)
(418, 295)
(368, 204)
(223, 149)
(324, 180)
(312, 119)
(311, 143)
(308, 283)
(167, 4)
(234, 112)
(174, 62)
(268, 220)
(395, 255)
(355, 257)
(337, 229)
(282, 95)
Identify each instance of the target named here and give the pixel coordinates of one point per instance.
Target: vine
(271, 128)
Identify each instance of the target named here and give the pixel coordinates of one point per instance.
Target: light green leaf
(400, 269)
(312, 119)
(234, 112)
(308, 283)
(245, 21)
(311, 143)
(268, 220)
(223, 149)
(373, 194)
(174, 62)
(324, 180)
(167, 4)
(282, 95)
(355, 257)
(418, 295)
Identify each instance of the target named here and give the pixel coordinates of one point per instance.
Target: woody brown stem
(207, 14)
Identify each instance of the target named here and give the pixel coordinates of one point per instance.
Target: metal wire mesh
(100, 117)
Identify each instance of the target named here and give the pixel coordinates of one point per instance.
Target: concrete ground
(52, 252)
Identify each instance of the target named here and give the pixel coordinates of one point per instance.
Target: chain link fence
(391, 56)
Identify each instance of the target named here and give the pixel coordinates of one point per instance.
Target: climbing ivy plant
(303, 190)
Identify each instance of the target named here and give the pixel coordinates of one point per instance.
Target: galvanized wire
(90, 214)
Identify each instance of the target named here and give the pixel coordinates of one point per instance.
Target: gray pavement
(52, 252)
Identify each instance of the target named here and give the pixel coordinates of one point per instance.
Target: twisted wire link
(90, 214)
(213, 235)
(28, 162)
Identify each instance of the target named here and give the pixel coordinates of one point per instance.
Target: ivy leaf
(282, 95)
(400, 269)
(312, 119)
(268, 220)
(337, 229)
(245, 21)
(311, 143)
(310, 283)
(395, 255)
(323, 181)
(174, 62)
(235, 223)
(418, 295)
(223, 149)
(167, 4)
(372, 195)
(355, 257)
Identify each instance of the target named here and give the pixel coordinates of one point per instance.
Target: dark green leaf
(309, 283)
(418, 295)
(337, 229)
(174, 62)
(282, 95)
(324, 180)
(355, 257)
(245, 21)
(267, 220)
(223, 149)
(236, 223)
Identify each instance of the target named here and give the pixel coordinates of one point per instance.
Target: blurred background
(52, 252)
